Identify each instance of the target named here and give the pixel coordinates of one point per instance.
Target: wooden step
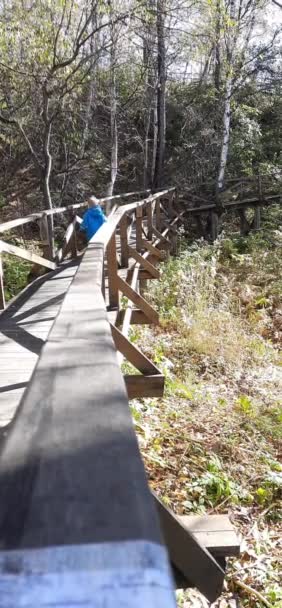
(215, 532)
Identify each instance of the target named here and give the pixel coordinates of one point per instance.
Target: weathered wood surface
(192, 559)
(12, 224)
(24, 327)
(249, 202)
(24, 254)
(215, 532)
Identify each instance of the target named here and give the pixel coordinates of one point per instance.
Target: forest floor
(212, 444)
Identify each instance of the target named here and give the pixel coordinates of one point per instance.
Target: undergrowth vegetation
(211, 445)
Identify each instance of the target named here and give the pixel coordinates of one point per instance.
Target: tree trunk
(46, 152)
(91, 84)
(217, 68)
(150, 94)
(113, 106)
(161, 93)
(226, 134)
(231, 40)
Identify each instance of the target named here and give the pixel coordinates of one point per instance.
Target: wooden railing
(75, 505)
(239, 194)
(45, 222)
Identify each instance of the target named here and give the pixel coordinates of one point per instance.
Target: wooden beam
(143, 274)
(47, 237)
(189, 556)
(215, 532)
(138, 228)
(139, 387)
(60, 254)
(158, 219)
(133, 354)
(2, 292)
(158, 253)
(257, 218)
(6, 226)
(244, 224)
(160, 236)
(214, 226)
(149, 213)
(154, 272)
(123, 228)
(138, 300)
(112, 267)
(138, 317)
(26, 255)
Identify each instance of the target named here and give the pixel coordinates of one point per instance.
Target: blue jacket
(92, 220)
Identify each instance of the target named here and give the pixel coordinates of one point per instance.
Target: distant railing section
(45, 220)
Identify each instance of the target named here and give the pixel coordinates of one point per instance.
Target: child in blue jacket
(93, 218)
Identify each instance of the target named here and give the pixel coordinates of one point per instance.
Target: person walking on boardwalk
(93, 218)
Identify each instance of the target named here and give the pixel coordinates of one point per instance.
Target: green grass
(16, 272)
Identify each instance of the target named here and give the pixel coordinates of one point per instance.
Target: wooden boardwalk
(24, 327)
(78, 523)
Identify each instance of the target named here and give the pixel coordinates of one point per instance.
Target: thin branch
(250, 591)
(277, 3)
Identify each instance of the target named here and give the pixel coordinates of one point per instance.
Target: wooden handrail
(47, 231)
(5, 226)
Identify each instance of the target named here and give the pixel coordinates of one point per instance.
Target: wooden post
(139, 235)
(73, 241)
(158, 215)
(257, 218)
(73, 245)
(123, 227)
(149, 221)
(214, 226)
(170, 204)
(47, 236)
(244, 224)
(2, 293)
(113, 273)
(260, 194)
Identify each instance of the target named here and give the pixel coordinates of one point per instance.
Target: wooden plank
(149, 214)
(61, 252)
(5, 226)
(133, 354)
(160, 236)
(26, 255)
(2, 292)
(128, 312)
(123, 227)
(138, 228)
(144, 262)
(137, 317)
(158, 253)
(215, 532)
(112, 273)
(257, 218)
(214, 226)
(138, 300)
(47, 238)
(190, 558)
(139, 387)
(158, 219)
